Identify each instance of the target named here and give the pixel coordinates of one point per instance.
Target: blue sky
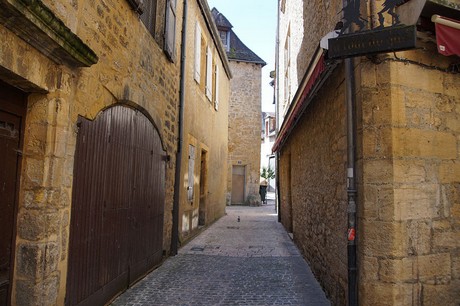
(254, 21)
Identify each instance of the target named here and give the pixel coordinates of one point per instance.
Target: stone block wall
(132, 69)
(244, 125)
(206, 128)
(408, 176)
(313, 187)
(409, 219)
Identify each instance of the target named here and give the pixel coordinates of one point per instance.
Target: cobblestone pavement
(248, 262)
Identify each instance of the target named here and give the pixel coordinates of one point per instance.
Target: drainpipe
(277, 118)
(351, 174)
(177, 176)
(351, 181)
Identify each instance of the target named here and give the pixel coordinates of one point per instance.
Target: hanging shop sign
(389, 39)
(396, 37)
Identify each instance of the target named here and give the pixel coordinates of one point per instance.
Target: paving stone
(250, 262)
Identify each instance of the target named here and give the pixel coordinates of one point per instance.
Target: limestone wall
(313, 190)
(410, 179)
(244, 124)
(298, 41)
(408, 151)
(206, 128)
(133, 69)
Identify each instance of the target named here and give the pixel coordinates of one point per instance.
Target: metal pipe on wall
(277, 114)
(351, 181)
(177, 176)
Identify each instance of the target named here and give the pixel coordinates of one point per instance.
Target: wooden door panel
(12, 114)
(116, 231)
(238, 183)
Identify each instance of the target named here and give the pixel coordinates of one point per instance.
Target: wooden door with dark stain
(12, 112)
(116, 233)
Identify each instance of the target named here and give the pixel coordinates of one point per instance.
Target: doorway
(238, 184)
(12, 115)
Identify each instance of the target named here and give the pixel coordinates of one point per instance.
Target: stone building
(244, 116)
(90, 96)
(204, 185)
(407, 157)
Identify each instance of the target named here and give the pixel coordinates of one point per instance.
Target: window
(191, 172)
(272, 124)
(206, 72)
(148, 13)
(287, 66)
(200, 58)
(283, 6)
(170, 29)
(216, 89)
(224, 37)
(197, 52)
(159, 20)
(209, 73)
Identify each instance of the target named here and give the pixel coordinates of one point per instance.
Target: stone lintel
(36, 24)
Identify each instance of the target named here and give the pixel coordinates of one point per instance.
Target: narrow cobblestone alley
(246, 262)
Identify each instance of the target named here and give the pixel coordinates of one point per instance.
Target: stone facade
(297, 43)
(206, 129)
(245, 113)
(407, 154)
(410, 179)
(314, 201)
(244, 126)
(132, 69)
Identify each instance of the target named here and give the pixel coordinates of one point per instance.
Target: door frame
(18, 110)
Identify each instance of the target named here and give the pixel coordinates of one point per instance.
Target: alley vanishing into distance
(247, 262)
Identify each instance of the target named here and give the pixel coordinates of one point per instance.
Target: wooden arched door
(116, 232)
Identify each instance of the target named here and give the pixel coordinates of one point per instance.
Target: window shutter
(148, 15)
(170, 29)
(191, 172)
(197, 52)
(209, 74)
(216, 102)
(137, 5)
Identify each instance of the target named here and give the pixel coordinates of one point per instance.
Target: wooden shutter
(216, 101)
(148, 15)
(191, 172)
(209, 74)
(197, 52)
(170, 29)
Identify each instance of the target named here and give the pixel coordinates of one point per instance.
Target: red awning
(305, 91)
(447, 35)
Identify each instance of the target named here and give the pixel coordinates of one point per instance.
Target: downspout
(351, 181)
(177, 176)
(277, 118)
(351, 175)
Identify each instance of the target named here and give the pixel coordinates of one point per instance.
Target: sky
(254, 21)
